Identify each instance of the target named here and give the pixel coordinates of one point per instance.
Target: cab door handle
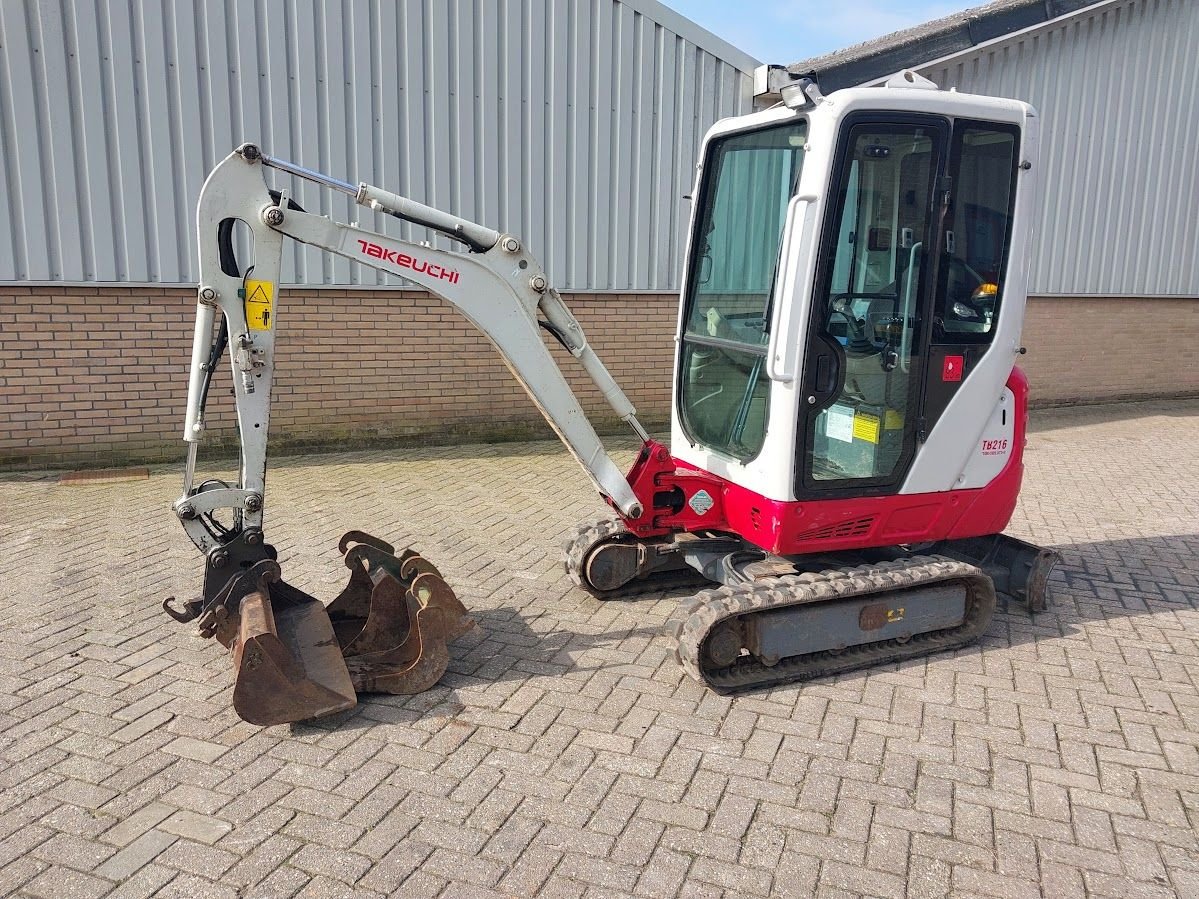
(826, 374)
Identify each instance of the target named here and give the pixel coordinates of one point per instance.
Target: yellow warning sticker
(865, 426)
(259, 297)
(893, 420)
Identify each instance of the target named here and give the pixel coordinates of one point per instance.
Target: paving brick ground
(565, 754)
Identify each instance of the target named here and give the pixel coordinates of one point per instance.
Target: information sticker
(838, 423)
(259, 297)
(865, 427)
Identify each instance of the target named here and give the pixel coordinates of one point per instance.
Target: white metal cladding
(1117, 89)
(573, 123)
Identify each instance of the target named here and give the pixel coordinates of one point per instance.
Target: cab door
(871, 308)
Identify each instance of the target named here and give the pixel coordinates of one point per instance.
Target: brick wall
(98, 376)
(1095, 349)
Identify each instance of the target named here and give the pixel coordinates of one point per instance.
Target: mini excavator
(847, 422)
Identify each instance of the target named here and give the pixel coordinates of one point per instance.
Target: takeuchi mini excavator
(847, 423)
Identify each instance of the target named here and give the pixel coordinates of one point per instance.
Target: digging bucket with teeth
(296, 659)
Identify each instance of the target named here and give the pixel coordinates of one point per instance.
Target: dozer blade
(287, 663)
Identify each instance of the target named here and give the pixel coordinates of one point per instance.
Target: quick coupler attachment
(296, 659)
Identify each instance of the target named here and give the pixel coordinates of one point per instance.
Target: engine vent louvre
(857, 527)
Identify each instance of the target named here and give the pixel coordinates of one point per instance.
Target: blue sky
(786, 31)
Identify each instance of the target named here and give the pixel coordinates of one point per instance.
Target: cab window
(749, 179)
(978, 228)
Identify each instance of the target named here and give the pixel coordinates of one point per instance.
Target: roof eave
(918, 46)
(656, 11)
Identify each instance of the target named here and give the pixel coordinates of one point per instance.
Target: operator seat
(865, 378)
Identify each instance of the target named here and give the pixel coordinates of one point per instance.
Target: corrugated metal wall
(574, 123)
(1118, 94)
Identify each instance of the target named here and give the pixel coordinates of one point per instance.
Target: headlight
(961, 310)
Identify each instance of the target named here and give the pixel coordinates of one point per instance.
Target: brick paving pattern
(565, 754)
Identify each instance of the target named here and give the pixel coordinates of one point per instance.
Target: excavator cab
(846, 281)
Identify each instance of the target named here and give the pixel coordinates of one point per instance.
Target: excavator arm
(498, 286)
(294, 657)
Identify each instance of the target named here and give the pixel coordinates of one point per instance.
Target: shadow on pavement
(509, 646)
(1095, 582)
(1052, 418)
(1121, 578)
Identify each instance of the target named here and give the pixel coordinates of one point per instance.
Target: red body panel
(804, 527)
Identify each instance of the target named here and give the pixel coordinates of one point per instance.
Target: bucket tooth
(287, 663)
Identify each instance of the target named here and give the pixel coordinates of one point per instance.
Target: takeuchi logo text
(403, 260)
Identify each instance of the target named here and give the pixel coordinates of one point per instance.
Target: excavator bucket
(287, 663)
(394, 618)
(295, 659)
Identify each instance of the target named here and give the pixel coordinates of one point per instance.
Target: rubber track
(588, 535)
(697, 616)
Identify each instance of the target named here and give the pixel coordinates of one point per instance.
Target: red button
(951, 370)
